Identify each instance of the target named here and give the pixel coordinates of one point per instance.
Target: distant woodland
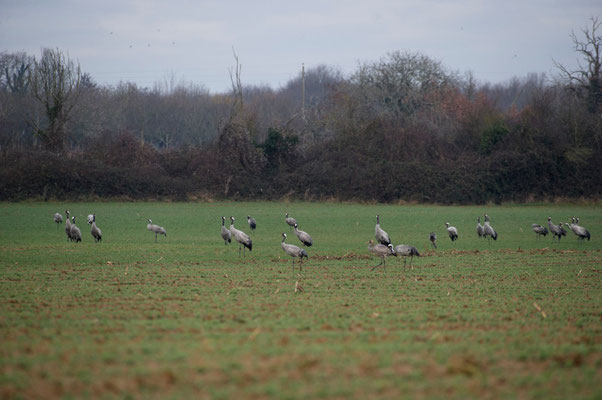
(402, 128)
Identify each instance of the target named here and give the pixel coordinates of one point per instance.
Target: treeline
(401, 128)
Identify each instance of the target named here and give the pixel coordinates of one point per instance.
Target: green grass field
(187, 318)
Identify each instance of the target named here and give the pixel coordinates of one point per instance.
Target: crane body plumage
(557, 230)
(76, 234)
(242, 238)
(480, 228)
(58, 218)
(290, 220)
(252, 223)
(433, 239)
(293, 251)
(539, 230)
(451, 231)
(580, 231)
(405, 251)
(380, 235)
(68, 226)
(226, 235)
(156, 229)
(303, 236)
(382, 251)
(490, 233)
(95, 230)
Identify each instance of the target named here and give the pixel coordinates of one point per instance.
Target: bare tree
(14, 68)
(236, 85)
(56, 84)
(401, 83)
(586, 79)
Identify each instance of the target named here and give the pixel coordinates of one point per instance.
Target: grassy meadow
(186, 317)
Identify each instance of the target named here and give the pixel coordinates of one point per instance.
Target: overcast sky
(146, 41)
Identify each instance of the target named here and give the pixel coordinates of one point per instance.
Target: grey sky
(149, 41)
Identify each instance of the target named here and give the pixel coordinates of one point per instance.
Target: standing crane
(58, 218)
(76, 234)
(406, 251)
(290, 220)
(226, 235)
(433, 239)
(94, 230)
(156, 229)
(557, 230)
(303, 236)
(451, 231)
(252, 223)
(490, 233)
(293, 251)
(539, 230)
(242, 238)
(382, 251)
(68, 226)
(580, 231)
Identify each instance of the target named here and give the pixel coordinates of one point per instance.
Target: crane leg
(376, 266)
(155, 238)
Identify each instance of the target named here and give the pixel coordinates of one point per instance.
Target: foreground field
(186, 317)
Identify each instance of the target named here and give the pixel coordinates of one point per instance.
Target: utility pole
(303, 90)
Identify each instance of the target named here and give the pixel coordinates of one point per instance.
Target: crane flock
(383, 247)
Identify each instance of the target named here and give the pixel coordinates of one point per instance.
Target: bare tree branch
(586, 79)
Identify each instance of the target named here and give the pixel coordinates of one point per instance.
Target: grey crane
(577, 223)
(242, 238)
(158, 230)
(578, 230)
(58, 218)
(405, 251)
(382, 251)
(557, 230)
(380, 235)
(68, 226)
(290, 220)
(480, 228)
(303, 236)
(252, 223)
(451, 231)
(539, 230)
(490, 233)
(569, 224)
(226, 235)
(293, 251)
(433, 239)
(562, 231)
(95, 230)
(76, 234)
